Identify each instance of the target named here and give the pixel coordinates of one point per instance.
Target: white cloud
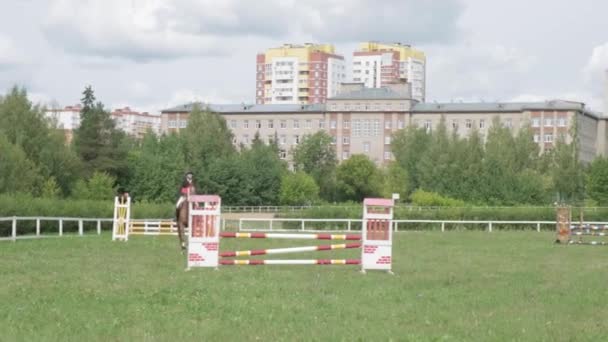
(9, 54)
(144, 30)
(597, 65)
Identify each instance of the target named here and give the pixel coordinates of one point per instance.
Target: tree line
(435, 167)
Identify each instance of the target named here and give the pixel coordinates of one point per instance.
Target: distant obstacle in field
(566, 230)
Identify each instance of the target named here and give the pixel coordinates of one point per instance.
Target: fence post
(349, 225)
(60, 227)
(302, 225)
(396, 226)
(241, 224)
(223, 224)
(80, 228)
(14, 232)
(98, 227)
(37, 227)
(538, 227)
(490, 226)
(442, 227)
(271, 220)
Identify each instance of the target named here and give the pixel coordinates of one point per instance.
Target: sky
(155, 54)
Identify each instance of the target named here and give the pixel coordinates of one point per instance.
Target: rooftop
(383, 93)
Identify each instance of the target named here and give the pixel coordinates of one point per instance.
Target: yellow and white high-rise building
(378, 64)
(298, 74)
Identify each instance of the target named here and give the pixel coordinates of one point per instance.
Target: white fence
(304, 225)
(275, 224)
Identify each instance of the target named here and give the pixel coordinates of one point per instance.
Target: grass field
(452, 286)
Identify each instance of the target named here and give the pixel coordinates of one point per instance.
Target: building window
(296, 139)
(332, 124)
(283, 140)
(387, 155)
(283, 154)
(270, 138)
(548, 122)
(536, 122)
(388, 124)
(321, 124)
(387, 140)
(232, 124)
(356, 128)
(376, 128)
(283, 123)
(400, 124)
(346, 124)
(183, 123)
(296, 124)
(172, 124)
(258, 124)
(482, 123)
(344, 155)
(536, 138)
(455, 124)
(509, 122)
(333, 139)
(270, 123)
(366, 147)
(308, 124)
(561, 122)
(345, 140)
(549, 138)
(246, 138)
(468, 123)
(245, 123)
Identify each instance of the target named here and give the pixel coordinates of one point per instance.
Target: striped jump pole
(289, 250)
(291, 236)
(292, 262)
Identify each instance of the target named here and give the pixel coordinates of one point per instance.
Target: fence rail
(272, 224)
(277, 209)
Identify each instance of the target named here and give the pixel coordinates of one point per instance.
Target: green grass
(452, 286)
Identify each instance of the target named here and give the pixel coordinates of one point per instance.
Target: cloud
(10, 55)
(145, 30)
(487, 71)
(597, 65)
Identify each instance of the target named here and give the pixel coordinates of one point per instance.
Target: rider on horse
(187, 188)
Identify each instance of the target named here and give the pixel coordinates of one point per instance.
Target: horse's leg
(180, 227)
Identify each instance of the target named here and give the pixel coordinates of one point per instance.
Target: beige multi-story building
(298, 74)
(66, 119)
(135, 123)
(363, 120)
(378, 64)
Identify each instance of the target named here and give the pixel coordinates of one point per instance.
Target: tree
(316, 156)
(597, 180)
(99, 187)
(568, 176)
(25, 125)
(17, 173)
(434, 168)
(409, 147)
(157, 168)
(298, 188)
(395, 181)
(357, 178)
(205, 139)
(97, 141)
(263, 172)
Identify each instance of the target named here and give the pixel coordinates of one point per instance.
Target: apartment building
(363, 120)
(135, 123)
(379, 64)
(66, 119)
(298, 74)
(131, 122)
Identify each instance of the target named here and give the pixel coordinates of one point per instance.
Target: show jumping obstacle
(124, 226)
(204, 238)
(565, 229)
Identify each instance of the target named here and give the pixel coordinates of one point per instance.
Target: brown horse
(181, 218)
